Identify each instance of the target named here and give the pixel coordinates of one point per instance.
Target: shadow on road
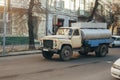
(78, 58)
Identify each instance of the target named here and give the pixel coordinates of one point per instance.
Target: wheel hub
(66, 53)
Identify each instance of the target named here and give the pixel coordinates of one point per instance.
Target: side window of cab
(76, 32)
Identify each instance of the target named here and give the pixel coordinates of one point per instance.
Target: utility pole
(5, 25)
(47, 17)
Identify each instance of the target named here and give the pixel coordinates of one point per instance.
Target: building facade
(17, 17)
(54, 13)
(47, 18)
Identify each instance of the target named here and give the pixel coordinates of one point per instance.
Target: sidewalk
(21, 53)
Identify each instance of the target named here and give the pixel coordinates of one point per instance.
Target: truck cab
(66, 37)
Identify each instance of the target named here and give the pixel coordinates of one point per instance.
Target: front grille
(48, 44)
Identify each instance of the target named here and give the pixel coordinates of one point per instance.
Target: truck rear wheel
(47, 55)
(101, 51)
(66, 53)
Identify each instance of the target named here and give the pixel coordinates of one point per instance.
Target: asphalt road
(35, 67)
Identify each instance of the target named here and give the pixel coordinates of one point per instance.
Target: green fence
(16, 41)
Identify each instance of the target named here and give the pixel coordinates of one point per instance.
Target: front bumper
(115, 72)
(50, 50)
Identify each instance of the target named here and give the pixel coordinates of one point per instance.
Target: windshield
(64, 31)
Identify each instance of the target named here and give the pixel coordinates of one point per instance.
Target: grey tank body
(88, 34)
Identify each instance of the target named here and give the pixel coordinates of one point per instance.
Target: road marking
(109, 62)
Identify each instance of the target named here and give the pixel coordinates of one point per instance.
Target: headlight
(116, 66)
(55, 43)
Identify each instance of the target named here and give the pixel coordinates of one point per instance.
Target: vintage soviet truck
(83, 38)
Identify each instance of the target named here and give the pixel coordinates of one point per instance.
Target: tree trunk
(113, 27)
(93, 12)
(30, 26)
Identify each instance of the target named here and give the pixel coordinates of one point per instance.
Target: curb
(22, 53)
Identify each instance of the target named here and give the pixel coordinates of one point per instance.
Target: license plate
(45, 49)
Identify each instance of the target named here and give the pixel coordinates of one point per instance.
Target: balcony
(62, 11)
(16, 3)
(20, 3)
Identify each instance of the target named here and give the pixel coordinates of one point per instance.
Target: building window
(8, 28)
(59, 4)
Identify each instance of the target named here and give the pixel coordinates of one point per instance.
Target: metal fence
(16, 44)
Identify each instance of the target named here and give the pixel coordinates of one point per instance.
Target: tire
(101, 51)
(47, 55)
(65, 53)
(113, 45)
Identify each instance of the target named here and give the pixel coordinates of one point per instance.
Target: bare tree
(32, 4)
(30, 25)
(114, 16)
(93, 11)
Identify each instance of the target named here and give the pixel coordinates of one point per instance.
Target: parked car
(116, 41)
(115, 69)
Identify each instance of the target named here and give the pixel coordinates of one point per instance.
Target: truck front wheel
(47, 55)
(65, 53)
(101, 51)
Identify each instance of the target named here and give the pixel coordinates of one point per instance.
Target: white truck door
(76, 39)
